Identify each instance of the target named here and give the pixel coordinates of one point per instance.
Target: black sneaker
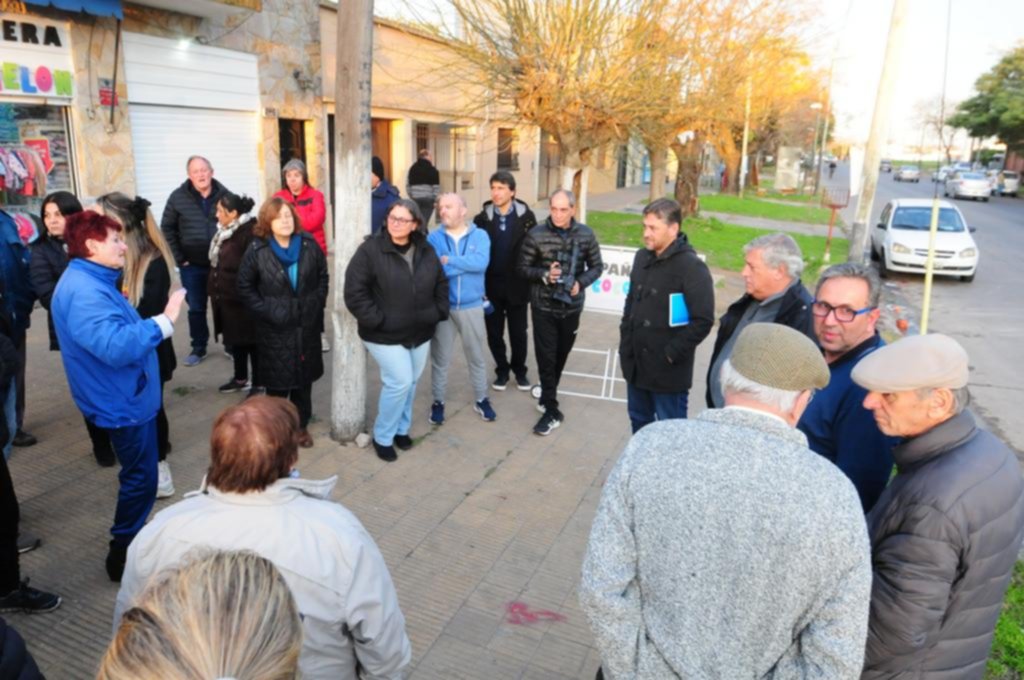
(500, 383)
(233, 385)
(548, 422)
(385, 453)
(22, 438)
(29, 600)
(523, 384)
(403, 441)
(27, 542)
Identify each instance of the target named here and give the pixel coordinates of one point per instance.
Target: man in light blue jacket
(109, 355)
(464, 251)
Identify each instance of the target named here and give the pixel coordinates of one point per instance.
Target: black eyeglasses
(844, 314)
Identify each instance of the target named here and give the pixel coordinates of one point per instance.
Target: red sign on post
(107, 95)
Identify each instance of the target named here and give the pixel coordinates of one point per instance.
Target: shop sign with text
(35, 57)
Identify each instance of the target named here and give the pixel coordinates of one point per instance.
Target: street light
(816, 107)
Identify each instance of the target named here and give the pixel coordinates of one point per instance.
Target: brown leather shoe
(305, 439)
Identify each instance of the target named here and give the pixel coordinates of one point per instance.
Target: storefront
(36, 91)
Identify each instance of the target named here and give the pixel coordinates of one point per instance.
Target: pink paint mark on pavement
(520, 614)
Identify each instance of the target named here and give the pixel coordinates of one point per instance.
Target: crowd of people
(836, 512)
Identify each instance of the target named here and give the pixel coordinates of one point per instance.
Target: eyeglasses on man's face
(843, 313)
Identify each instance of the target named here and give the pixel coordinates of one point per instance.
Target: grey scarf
(223, 234)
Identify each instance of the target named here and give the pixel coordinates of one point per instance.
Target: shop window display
(35, 160)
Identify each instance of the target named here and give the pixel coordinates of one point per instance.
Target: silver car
(968, 185)
(907, 173)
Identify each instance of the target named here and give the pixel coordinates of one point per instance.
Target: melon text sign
(35, 57)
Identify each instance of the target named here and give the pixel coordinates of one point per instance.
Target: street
(985, 315)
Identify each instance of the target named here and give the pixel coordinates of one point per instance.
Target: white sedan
(899, 242)
(968, 185)
(907, 173)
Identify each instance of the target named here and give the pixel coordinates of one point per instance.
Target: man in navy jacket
(109, 354)
(837, 426)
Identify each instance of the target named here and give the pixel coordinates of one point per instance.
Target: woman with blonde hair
(218, 615)
(146, 283)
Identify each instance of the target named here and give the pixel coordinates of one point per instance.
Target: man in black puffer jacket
(946, 532)
(545, 260)
(189, 223)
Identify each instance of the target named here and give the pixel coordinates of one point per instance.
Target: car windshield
(1010, 175)
(909, 168)
(919, 219)
(971, 175)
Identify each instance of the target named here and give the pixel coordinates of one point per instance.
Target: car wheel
(984, 199)
(945, 192)
(874, 254)
(883, 271)
(969, 278)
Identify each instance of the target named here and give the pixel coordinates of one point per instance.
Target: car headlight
(969, 252)
(901, 249)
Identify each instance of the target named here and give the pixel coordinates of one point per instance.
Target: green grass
(721, 242)
(757, 207)
(1006, 660)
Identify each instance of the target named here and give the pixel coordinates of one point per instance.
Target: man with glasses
(846, 312)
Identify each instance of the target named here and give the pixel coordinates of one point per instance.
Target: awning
(98, 8)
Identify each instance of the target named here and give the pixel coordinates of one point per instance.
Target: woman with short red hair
(109, 354)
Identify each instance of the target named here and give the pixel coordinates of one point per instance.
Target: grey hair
(961, 397)
(452, 193)
(854, 270)
(564, 192)
(198, 158)
(779, 250)
(734, 383)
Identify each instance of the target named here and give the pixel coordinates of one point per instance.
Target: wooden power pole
(879, 123)
(353, 151)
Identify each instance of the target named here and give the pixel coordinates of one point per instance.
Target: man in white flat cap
(946, 532)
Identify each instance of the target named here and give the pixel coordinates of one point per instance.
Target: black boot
(116, 558)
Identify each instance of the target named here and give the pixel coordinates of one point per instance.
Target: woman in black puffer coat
(396, 289)
(232, 321)
(283, 281)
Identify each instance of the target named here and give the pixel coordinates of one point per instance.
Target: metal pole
(352, 212)
(815, 164)
(869, 177)
(746, 136)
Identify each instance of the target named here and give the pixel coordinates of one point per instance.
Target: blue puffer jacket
(109, 351)
(467, 264)
(14, 267)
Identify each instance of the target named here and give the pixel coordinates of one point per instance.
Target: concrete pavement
(483, 525)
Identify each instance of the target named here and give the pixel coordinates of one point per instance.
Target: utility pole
(869, 176)
(815, 156)
(353, 151)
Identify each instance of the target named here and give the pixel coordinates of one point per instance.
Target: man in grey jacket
(723, 547)
(946, 532)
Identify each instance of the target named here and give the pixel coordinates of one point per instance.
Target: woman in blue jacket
(110, 359)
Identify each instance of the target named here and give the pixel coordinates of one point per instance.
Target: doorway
(292, 138)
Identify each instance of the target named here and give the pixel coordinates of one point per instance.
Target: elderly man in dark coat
(946, 532)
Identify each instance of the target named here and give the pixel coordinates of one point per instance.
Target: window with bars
(422, 137)
(508, 149)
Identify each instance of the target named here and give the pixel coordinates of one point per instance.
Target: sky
(982, 31)
(854, 32)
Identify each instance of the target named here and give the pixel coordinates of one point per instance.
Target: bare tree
(934, 117)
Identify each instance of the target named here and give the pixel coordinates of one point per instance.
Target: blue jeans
(645, 407)
(136, 450)
(10, 415)
(400, 369)
(194, 278)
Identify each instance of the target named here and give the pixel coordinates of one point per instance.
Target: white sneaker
(164, 485)
(325, 344)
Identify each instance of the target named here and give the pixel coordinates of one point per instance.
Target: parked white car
(968, 185)
(942, 174)
(899, 241)
(1008, 183)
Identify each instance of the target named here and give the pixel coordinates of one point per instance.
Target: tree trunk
(688, 175)
(576, 178)
(352, 210)
(659, 169)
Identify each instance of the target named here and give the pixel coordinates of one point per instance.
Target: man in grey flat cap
(946, 532)
(723, 547)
